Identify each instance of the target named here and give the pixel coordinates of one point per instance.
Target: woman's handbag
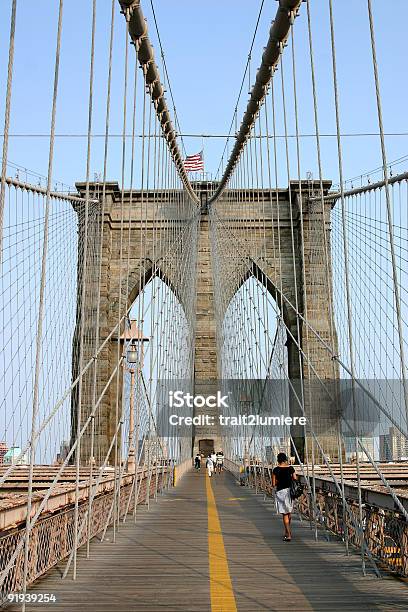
(296, 489)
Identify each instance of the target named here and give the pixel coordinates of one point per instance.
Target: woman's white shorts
(284, 502)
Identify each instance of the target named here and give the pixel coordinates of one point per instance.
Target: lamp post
(245, 403)
(131, 465)
(134, 356)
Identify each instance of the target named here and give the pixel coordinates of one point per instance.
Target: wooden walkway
(176, 559)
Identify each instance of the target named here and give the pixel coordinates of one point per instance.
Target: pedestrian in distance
(214, 460)
(220, 461)
(210, 466)
(282, 477)
(197, 462)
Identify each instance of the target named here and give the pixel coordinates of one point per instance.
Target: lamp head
(132, 354)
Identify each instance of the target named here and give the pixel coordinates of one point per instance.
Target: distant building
(368, 444)
(269, 454)
(385, 449)
(279, 445)
(63, 452)
(3, 451)
(12, 457)
(393, 446)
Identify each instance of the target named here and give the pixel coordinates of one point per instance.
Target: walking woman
(210, 466)
(282, 476)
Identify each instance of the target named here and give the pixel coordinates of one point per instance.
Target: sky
(206, 46)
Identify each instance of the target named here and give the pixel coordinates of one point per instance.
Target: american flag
(194, 163)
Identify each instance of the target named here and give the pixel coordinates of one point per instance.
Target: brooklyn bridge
(162, 306)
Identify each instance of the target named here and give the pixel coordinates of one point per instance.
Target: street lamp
(245, 403)
(134, 355)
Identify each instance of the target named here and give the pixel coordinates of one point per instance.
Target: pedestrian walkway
(211, 545)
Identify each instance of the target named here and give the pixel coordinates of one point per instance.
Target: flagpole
(202, 157)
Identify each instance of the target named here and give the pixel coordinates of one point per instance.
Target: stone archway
(144, 256)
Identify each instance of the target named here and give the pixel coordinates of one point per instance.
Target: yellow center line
(221, 593)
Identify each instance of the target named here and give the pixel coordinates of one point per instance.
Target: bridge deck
(176, 559)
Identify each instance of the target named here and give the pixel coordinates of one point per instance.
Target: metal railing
(180, 469)
(385, 530)
(52, 538)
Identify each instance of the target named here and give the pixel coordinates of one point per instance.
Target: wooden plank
(269, 574)
(161, 563)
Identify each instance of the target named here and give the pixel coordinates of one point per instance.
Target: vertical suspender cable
(344, 231)
(303, 282)
(120, 374)
(83, 289)
(330, 310)
(7, 120)
(41, 307)
(389, 210)
(99, 278)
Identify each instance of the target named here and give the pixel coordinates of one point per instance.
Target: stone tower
(265, 224)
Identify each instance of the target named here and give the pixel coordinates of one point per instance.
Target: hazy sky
(206, 46)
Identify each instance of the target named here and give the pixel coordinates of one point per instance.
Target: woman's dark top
(283, 476)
